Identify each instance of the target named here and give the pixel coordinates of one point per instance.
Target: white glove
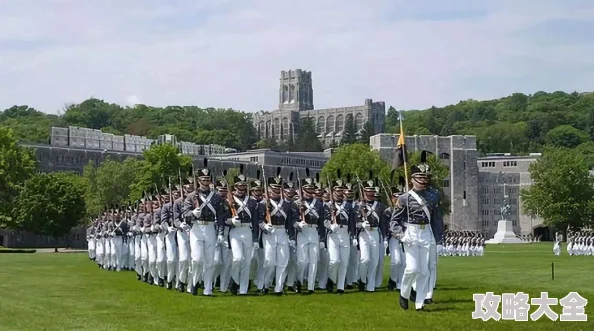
(268, 228)
(322, 246)
(334, 227)
(385, 245)
(302, 224)
(220, 239)
(129, 234)
(184, 226)
(292, 243)
(355, 242)
(197, 212)
(366, 225)
(235, 221)
(256, 245)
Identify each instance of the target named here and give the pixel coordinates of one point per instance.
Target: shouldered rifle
(267, 195)
(230, 201)
(300, 194)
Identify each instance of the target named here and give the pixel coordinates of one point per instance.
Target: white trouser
(396, 259)
(242, 249)
(203, 241)
(113, 255)
(323, 263)
(292, 267)
(125, 252)
(137, 254)
(379, 274)
(131, 252)
(151, 245)
(117, 252)
(226, 258)
(183, 249)
(100, 250)
(339, 253)
(308, 246)
(368, 244)
(432, 270)
(144, 255)
(259, 274)
(353, 267)
(161, 255)
(171, 249)
(107, 251)
(91, 246)
(276, 257)
(417, 242)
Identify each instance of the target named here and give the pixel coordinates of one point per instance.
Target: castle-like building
(296, 103)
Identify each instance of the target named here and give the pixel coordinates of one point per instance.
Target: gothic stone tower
(296, 90)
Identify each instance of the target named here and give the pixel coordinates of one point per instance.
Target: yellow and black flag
(401, 155)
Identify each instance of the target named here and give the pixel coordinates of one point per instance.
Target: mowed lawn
(66, 291)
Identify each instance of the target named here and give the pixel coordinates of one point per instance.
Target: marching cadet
(91, 240)
(160, 233)
(278, 232)
(182, 234)
(151, 220)
(395, 233)
(99, 251)
(257, 269)
(342, 232)
(436, 221)
(370, 221)
(243, 220)
(419, 207)
(204, 210)
(108, 234)
(292, 196)
(130, 238)
(557, 245)
(310, 234)
(224, 268)
(118, 240)
(384, 227)
(170, 234)
(125, 248)
(355, 255)
(322, 194)
(139, 242)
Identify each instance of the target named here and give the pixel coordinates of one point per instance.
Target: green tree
(266, 143)
(50, 204)
(160, 163)
(587, 151)
(308, 140)
(16, 166)
(349, 135)
(562, 190)
(109, 183)
(566, 136)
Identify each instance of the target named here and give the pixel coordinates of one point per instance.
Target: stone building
(506, 174)
(459, 154)
(296, 102)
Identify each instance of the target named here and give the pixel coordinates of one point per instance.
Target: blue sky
(227, 53)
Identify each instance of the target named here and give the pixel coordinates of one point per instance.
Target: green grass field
(47, 291)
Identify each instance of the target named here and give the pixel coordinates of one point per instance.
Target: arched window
(284, 128)
(321, 125)
(359, 121)
(293, 96)
(276, 128)
(285, 93)
(329, 124)
(339, 123)
(268, 129)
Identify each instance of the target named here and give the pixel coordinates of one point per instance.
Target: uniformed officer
(322, 193)
(342, 234)
(170, 233)
(310, 232)
(355, 254)
(395, 233)
(117, 239)
(257, 269)
(91, 240)
(224, 267)
(204, 210)
(277, 233)
(292, 196)
(183, 274)
(420, 206)
(243, 220)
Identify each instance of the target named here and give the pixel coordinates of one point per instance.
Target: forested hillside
(515, 124)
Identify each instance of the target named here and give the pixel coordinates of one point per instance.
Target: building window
(488, 164)
(495, 223)
(446, 183)
(485, 201)
(485, 212)
(254, 159)
(464, 165)
(510, 163)
(485, 190)
(464, 195)
(497, 190)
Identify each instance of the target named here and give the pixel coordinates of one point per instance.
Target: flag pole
(405, 158)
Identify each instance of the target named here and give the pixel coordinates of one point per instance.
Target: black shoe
(161, 282)
(169, 286)
(329, 286)
(266, 291)
(310, 292)
(249, 285)
(391, 285)
(151, 280)
(403, 303)
(194, 290)
(218, 282)
(349, 287)
(181, 287)
(340, 292)
(428, 301)
(413, 295)
(145, 278)
(291, 289)
(361, 285)
(138, 277)
(298, 287)
(234, 287)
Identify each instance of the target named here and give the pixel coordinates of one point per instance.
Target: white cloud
(132, 100)
(230, 54)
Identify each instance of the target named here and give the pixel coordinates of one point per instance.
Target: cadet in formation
(462, 243)
(580, 242)
(279, 234)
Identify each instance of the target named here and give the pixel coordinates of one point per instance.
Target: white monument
(505, 231)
